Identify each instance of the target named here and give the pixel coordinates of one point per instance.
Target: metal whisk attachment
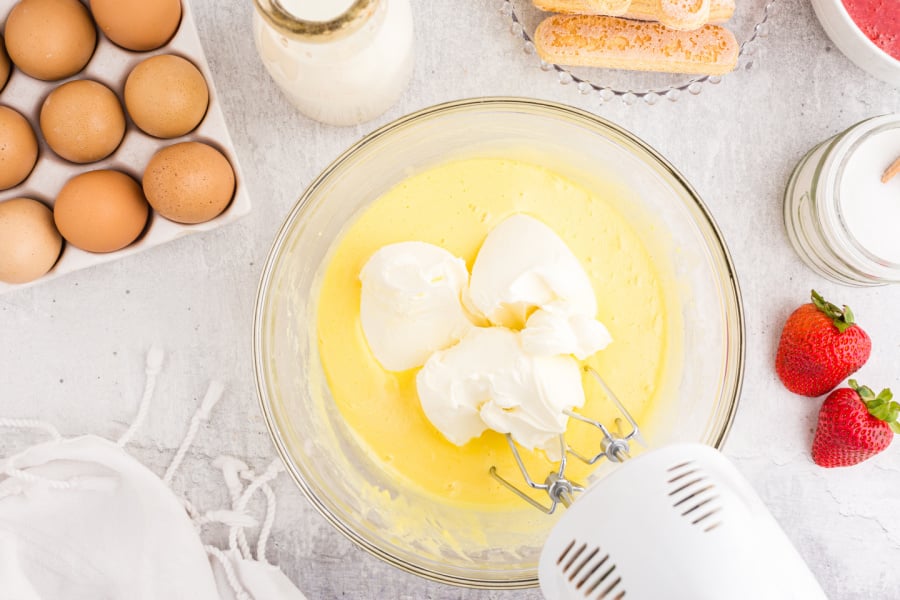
(614, 446)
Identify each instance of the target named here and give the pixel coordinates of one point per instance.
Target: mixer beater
(614, 446)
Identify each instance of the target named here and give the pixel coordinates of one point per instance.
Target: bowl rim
(552, 108)
(852, 36)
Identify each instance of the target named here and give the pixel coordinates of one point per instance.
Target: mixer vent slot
(591, 571)
(694, 495)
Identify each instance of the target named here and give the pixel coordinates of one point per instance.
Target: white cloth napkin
(80, 518)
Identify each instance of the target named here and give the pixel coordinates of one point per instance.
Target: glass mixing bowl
(468, 546)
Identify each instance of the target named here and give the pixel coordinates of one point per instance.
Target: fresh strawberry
(820, 346)
(854, 424)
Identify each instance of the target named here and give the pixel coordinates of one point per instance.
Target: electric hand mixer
(675, 523)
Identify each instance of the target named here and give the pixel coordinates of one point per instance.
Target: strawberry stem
(882, 406)
(842, 318)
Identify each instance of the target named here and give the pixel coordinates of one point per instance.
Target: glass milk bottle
(340, 62)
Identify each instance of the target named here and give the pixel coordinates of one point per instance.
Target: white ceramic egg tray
(110, 65)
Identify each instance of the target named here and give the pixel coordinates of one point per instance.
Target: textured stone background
(72, 349)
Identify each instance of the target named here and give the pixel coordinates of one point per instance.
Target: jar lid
(284, 17)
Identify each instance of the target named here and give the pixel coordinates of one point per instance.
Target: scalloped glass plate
(750, 23)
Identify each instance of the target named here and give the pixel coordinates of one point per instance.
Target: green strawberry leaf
(882, 412)
(843, 319)
(875, 404)
(865, 392)
(881, 407)
(883, 397)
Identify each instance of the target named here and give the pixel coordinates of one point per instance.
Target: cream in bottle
(341, 62)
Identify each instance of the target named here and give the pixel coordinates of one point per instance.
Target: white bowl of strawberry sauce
(867, 32)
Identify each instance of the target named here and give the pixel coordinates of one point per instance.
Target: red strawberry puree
(879, 20)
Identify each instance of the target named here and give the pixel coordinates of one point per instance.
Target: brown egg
(101, 211)
(189, 182)
(50, 39)
(138, 24)
(29, 242)
(18, 148)
(166, 96)
(82, 121)
(5, 66)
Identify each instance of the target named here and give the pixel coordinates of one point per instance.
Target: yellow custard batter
(454, 206)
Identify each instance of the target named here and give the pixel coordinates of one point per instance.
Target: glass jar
(840, 216)
(339, 68)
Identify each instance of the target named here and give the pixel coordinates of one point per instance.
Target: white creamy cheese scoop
(522, 266)
(517, 376)
(410, 303)
(488, 381)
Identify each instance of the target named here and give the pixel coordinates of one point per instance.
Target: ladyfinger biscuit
(586, 7)
(613, 43)
(684, 15)
(641, 10)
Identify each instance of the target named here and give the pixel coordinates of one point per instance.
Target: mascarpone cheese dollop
(517, 376)
(525, 275)
(488, 381)
(523, 265)
(410, 304)
(554, 330)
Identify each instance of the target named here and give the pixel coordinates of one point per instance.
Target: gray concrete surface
(72, 349)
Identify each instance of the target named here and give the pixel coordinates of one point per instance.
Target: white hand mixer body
(676, 523)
